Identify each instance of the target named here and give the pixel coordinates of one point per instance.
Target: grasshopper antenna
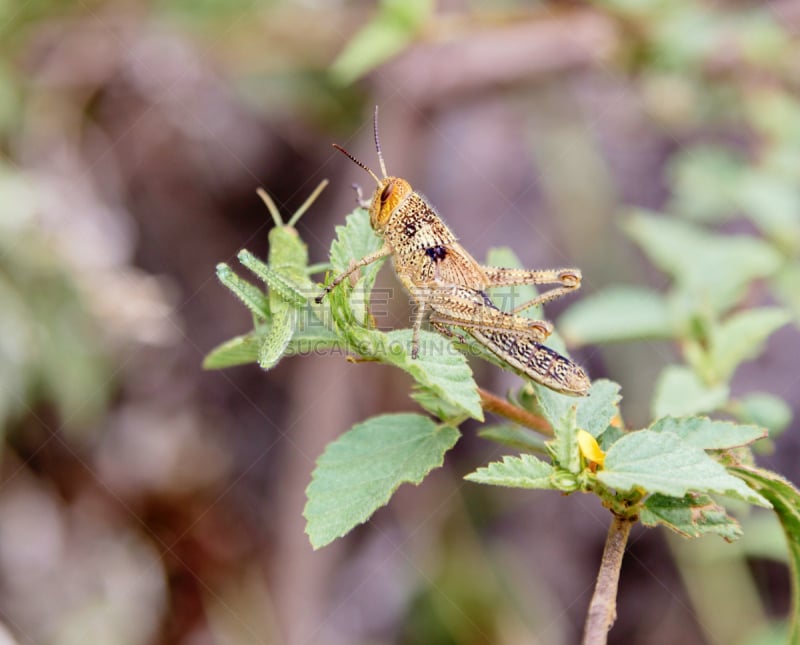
(378, 141)
(357, 163)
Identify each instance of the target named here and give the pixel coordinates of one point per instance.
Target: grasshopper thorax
(390, 193)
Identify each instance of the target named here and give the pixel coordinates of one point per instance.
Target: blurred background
(143, 500)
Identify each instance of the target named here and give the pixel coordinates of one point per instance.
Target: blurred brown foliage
(145, 501)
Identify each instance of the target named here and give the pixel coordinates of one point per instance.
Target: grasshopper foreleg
(367, 259)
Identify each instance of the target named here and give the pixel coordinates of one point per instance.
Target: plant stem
(603, 607)
(493, 403)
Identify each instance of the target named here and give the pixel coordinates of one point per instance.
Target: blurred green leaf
(785, 287)
(763, 409)
(705, 182)
(680, 392)
(659, 462)
(19, 351)
(619, 313)
(525, 471)
(772, 203)
(684, 36)
(715, 269)
(709, 434)
(393, 28)
(514, 436)
(785, 499)
(359, 471)
(742, 336)
(689, 516)
(774, 113)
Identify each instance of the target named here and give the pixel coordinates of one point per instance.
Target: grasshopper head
(391, 191)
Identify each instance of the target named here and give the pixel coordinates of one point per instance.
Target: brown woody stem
(493, 403)
(603, 607)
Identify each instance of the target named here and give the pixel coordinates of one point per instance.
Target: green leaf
(785, 288)
(785, 499)
(742, 336)
(252, 297)
(715, 269)
(514, 437)
(390, 31)
(705, 182)
(359, 471)
(659, 462)
(772, 203)
(765, 410)
(594, 411)
(617, 314)
(277, 283)
(275, 343)
(525, 471)
(356, 240)
(680, 392)
(690, 516)
(564, 447)
(709, 434)
(440, 369)
(236, 351)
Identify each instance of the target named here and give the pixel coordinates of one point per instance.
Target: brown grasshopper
(441, 276)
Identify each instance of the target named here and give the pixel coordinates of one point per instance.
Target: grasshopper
(443, 279)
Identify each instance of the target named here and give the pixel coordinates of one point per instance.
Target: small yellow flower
(590, 449)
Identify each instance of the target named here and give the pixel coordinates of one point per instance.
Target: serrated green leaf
(690, 516)
(594, 411)
(525, 471)
(680, 392)
(251, 296)
(709, 434)
(715, 269)
(388, 33)
(514, 437)
(355, 240)
(440, 369)
(283, 287)
(564, 447)
(765, 410)
(617, 314)
(239, 350)
(785, 499)
(659, 462)
(275, 343)
(359, 471)
(742, 336)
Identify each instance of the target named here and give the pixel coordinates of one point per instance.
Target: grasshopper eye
(387, 192)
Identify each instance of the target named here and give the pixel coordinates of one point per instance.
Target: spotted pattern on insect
(445, 281)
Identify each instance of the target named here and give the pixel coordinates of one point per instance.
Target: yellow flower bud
(590, 449)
